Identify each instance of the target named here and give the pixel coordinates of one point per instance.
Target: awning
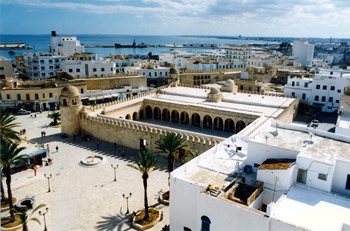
(92, 98)
(115, 95)
(107, 96)
(99, 97)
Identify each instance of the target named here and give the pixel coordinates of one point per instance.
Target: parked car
(23, 112)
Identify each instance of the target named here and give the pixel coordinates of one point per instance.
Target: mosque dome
(229, 83)
(214, 90)
(69, 91)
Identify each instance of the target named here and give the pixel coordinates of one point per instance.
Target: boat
(11, 52)
(134, 45)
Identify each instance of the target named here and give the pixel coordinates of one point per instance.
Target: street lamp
(127, 202)
(43, 214)
(48, 180)
(115, 171)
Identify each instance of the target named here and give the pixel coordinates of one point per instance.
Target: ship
(134, 45)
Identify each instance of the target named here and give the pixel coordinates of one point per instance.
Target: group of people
(22, 131)
(43, 134)
(32, 116)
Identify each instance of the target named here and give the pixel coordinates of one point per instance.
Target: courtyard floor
(85, 198)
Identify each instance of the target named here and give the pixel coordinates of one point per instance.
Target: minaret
(70, 109)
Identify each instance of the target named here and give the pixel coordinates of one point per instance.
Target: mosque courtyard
(84, 198)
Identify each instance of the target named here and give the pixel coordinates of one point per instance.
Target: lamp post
(48, 180)
(115, 171)
(43, 214)
(127, 202)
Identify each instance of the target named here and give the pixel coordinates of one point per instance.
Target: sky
(270, 18)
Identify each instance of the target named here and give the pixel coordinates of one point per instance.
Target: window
(50, 60)
(316, 98)
(330, 99)
(1, 68)
(337, 101)
(347, 186)
(322, 176)
(57, 60)
(298, 84)
(306, 84)
(155, 73)
(78, 70)
(318, 86)
(50, 95)
(323, 99)
(339, 91)
(332, 88)
(160, 74)
(43, 95)
(42, 61)
(94, 69)
(43, 75)
(293, 94)
(102, 69)
(18, 96)
(36, 96)
(324, 87)
(205, 223)
(303, 96)
(70, 70)
(149, 74)
(82, 90)
(57, 67)
(42, 68)
(51, 67)
(8, 96)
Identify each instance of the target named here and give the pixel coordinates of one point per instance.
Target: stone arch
(184, 118)
(174, 116)
(218, 124)
(149, 112)
(142, 115)
(240, 125)
(135, 116)
(196, 120)
(128, 117)
(229, 126)
(166, 115)
(157, 113)
(207, 122)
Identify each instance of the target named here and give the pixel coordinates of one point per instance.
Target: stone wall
(128, 133)
(116, 82)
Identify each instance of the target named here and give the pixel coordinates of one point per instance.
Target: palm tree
(170, 144)
(145, 165)
(55, 116)
(7, 125)
(9, 156)
(189, 156)
(25, 218)
(2, 190)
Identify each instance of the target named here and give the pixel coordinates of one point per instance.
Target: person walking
(56, 148)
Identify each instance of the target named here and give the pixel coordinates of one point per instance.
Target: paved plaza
(85, 198)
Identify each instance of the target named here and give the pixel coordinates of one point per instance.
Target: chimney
(53, 33)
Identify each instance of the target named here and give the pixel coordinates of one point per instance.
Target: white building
(343, 122)
(150, 70)
(102, 67)
(304, 52)
(41, 65)
(324, 90)
(238, 53)
(262, 179)
(65, 46)
(6, 68)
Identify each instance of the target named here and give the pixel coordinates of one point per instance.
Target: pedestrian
(34, 115)
(56, 148)
(44, 134)
(74, 137)
(24, 131)
(98, 146)
(31, 116)
(123, 152)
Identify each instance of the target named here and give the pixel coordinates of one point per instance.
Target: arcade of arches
(210, 122)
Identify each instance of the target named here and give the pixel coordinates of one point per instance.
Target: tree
(189, 156)
(170, 144)
(25, 218)
(2, 189)
(145, 165)
(9, 156)
(7, 125)
(55, 116)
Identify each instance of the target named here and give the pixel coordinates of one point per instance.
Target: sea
(40, 43)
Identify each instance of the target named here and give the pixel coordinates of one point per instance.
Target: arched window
(205, 223)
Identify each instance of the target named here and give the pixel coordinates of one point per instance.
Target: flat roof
(277, 164)
(312, 209)
(344, 122)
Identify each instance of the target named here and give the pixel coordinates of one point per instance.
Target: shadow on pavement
(111, 222)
